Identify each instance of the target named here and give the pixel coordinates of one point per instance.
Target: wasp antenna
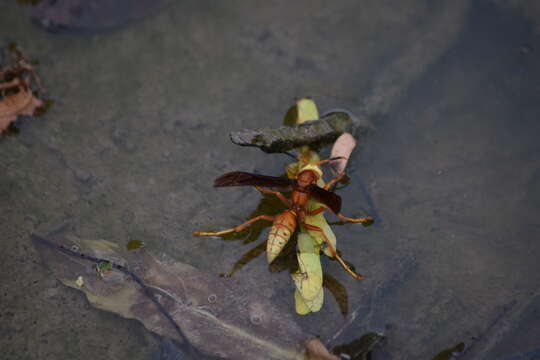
(319, 163)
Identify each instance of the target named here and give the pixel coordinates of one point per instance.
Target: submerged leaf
(220, 316)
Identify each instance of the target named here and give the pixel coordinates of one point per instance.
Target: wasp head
(308, 175)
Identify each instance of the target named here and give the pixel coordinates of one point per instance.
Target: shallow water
(139, 130)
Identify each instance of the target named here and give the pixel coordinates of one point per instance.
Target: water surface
(139, 130)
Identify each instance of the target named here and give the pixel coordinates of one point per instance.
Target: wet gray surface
(140, 129)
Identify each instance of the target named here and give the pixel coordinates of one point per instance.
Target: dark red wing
(239, 178)
(330, 199)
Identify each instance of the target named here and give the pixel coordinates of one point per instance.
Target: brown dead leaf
(343, 147)
(16, 95)
(21, 103)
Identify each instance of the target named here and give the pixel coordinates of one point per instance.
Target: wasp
(304, 187)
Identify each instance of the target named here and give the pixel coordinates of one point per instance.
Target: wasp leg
(235, 229)
(334, 252)
(281, 197)
(316, 211)
(364, 220)
(334, 181)
(319, 163)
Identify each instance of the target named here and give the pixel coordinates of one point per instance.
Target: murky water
(139, 130)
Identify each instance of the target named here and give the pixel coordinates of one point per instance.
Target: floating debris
(134, 244)
(303, 126)
(342, 149)
(103, 268)
(285, 138)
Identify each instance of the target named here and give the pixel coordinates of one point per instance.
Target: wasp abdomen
(280, 233)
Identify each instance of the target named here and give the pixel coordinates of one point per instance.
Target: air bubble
(256, 319)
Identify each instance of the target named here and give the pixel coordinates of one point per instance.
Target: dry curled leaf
(21, 103)
(343, 148)
(16, 95)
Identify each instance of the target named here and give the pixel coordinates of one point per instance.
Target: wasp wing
(239, 178)
(330, 199)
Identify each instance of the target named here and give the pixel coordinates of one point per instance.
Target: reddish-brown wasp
(304, 187)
